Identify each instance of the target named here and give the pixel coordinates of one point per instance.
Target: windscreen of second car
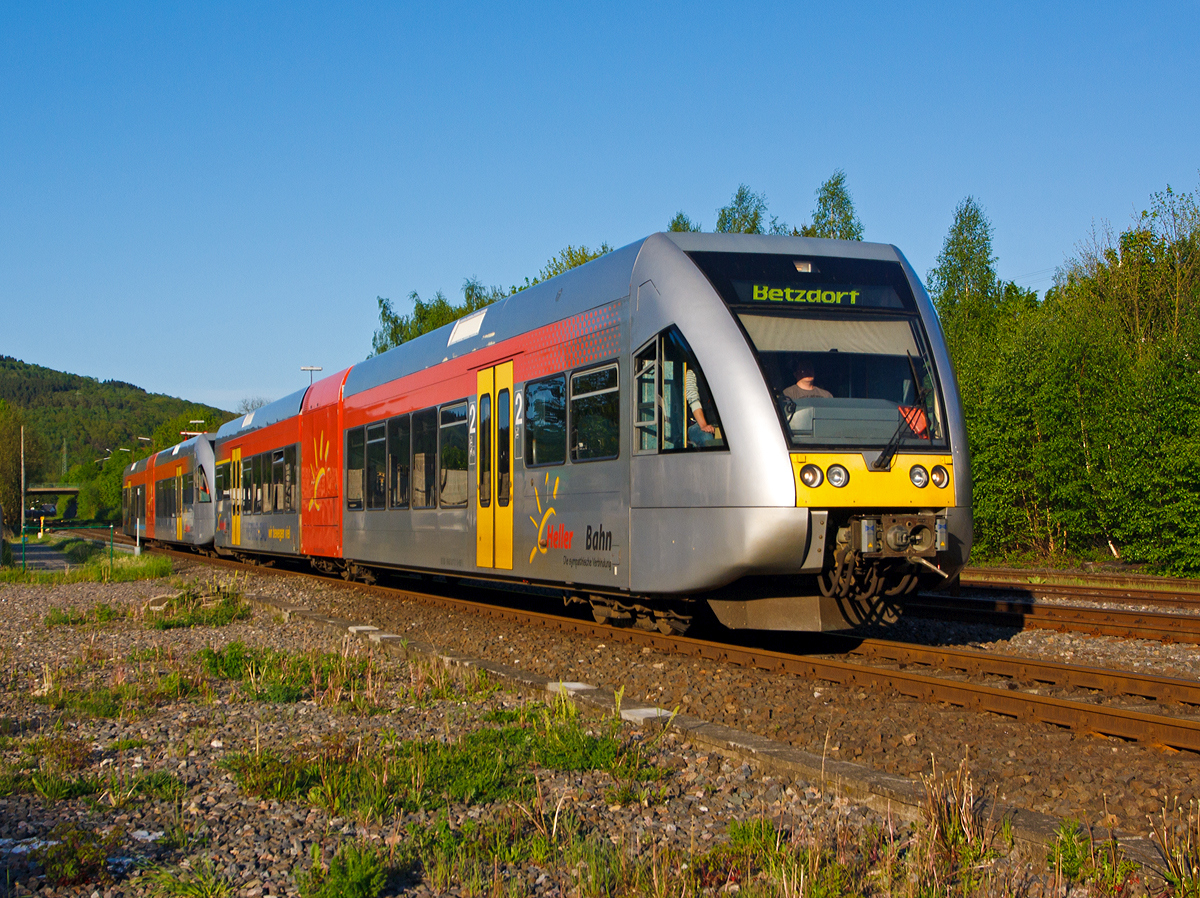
(840, 344)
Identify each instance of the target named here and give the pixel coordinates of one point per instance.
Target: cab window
(673, 408)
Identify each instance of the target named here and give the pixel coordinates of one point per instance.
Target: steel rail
(1103, 594)
(975, 576)
(1027, 615)
(1175, 732)
(1032, 670)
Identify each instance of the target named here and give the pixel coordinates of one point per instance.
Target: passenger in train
(700, 432)
(804, 387)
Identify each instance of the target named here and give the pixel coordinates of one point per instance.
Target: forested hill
(96, 417)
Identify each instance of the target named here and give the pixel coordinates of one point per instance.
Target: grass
(1177, 832)
(100, 614)
(371, 781)
(200, 880)
(126, 693)
(88, 562)
(357, 870)
(72, 856)
(215, 605)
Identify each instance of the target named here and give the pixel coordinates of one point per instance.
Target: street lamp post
(310, 369)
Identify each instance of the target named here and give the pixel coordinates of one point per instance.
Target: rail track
(1005, 611)
(884, 665)
(1133, 590)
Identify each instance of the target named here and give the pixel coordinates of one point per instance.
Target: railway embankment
(258, 753)
(160, 736)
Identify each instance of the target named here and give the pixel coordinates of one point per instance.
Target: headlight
(919, 476)
(838, 476)
(811, 476)
(940, 476)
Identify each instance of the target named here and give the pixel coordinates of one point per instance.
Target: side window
(289, 479)
(645, 389)
(278, 482)
(398, 445)
(503, 462)
(247, 503)
(203, 494)
(356, 442)
(424, 463)
(454, 485)
(377, 465)
(257, 474)
(268, 487)
(595, 419)
(483, 462)
(546, 422)
(673, 409)
(189, 488)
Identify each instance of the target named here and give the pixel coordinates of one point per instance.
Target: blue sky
(201, 198)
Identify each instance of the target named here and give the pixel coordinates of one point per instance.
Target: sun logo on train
(319, 469)
(556, 537)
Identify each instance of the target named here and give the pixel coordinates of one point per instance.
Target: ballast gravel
(1031, 765)
(259, 846)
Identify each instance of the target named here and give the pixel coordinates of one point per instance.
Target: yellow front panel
(485, 517)
(504, 514)
(872, 489)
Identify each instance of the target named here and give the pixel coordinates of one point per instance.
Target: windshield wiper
(884, 461)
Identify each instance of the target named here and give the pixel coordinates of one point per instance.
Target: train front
(853, 357)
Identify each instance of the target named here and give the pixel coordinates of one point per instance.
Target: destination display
(842, 295)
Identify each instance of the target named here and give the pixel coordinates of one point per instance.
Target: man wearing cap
(804, 388)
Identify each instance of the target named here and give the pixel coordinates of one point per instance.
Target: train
(767, 428)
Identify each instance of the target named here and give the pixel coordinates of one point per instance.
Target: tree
(568, 258)
(834, 216)
(250, 403)
(681, 223)
(11, 421)
(963, 283)
(745, 213)
(427, 316)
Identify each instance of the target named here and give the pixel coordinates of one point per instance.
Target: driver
(804, 388)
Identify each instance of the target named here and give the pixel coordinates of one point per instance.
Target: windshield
(841, 346)
(844, 382)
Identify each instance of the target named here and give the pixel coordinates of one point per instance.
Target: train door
(493, 468)
(179, 503)
(235, 493)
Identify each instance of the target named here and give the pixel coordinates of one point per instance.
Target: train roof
(578, 290)
(272, 412)
(599, 281)
(694, 241)
(164, 454)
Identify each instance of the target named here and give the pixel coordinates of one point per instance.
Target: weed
(1068, 854)
(216, 606)
(273, 676)
(73, 856)
(201, 880)
(127, 744)
(956, 836)
(355, 871)
(64, 617)
(1177, 832)
(124, 569)
(59, 751)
